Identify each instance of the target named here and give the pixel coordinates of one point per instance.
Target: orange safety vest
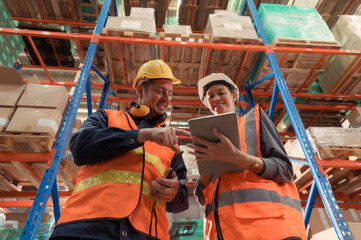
(242, 205)
(120, 187)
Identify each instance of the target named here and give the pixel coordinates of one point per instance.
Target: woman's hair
(231, 88)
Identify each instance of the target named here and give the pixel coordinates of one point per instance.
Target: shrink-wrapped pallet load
(294, 26)
(339, 76)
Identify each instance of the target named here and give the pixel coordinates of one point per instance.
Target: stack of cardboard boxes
(320, 226)
(11, 87)
(29, 111)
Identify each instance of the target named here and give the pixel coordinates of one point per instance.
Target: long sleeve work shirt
(277, 164)
(95, 142)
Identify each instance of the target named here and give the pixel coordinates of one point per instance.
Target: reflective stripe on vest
(155, 160)
(117, 177)
(249, 206)
(111, 189)
(252, 195)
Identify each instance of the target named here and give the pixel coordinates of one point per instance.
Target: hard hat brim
(175, 81)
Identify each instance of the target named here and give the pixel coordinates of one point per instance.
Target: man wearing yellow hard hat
(132, 170)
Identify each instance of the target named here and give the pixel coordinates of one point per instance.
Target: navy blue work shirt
(95, 142)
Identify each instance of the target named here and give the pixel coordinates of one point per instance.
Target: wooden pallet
(326, 118)
(296, 67)
(230, 62)
(195, 13)
(330, 143)
(15, 175)
(331, 10)
(343, 181)
(133, 56)
(58, 10)
(185, 62)
(160, 7)
(99, 58)
(80, 6)
(26, 142)
(22, 8)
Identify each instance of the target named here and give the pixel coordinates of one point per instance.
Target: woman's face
(220, 99)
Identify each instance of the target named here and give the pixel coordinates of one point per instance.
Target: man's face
(157, 96)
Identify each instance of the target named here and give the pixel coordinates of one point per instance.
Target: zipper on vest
(216, 217)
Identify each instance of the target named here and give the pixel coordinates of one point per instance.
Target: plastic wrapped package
(135, 24)
(347, 31)
(229, 24)
(294, 22)
(144, 13)
(43, 233)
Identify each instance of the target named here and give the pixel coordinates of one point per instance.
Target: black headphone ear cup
(159, 120)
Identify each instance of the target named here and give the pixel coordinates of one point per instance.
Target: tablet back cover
(227, 124)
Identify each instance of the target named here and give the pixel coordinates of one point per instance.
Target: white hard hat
(211, 78)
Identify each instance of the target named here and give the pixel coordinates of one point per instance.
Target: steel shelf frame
(320, 183)
(49, 184)
(55, 157)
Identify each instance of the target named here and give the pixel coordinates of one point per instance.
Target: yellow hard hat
(154, 69)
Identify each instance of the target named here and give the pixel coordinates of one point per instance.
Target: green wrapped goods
(293, 22)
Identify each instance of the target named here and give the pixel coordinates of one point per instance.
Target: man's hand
(166, 188)
(162, 136)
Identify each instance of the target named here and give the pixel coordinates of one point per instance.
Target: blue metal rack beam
(322, 184)
(48, 183)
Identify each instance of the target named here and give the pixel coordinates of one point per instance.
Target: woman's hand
(224, 150)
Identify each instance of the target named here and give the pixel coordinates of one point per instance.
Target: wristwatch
(255, 166)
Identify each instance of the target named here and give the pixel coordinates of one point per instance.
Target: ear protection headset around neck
(143, 112)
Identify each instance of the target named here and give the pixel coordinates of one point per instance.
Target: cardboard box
(183, 29)
(354, 117)
(11, 86)
(135, 24)
(330, 234)
(144, 13)
(319, 221)
(228, 24)
(44, 96)
(6, 114)
(35, 120)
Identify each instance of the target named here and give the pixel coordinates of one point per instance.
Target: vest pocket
(257, 202)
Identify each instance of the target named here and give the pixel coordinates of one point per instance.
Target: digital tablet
(227, 124)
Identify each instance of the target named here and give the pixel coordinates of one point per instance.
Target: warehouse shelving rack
(49, 185)
(320, 183)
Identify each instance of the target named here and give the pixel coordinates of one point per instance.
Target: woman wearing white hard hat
(260, 202)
